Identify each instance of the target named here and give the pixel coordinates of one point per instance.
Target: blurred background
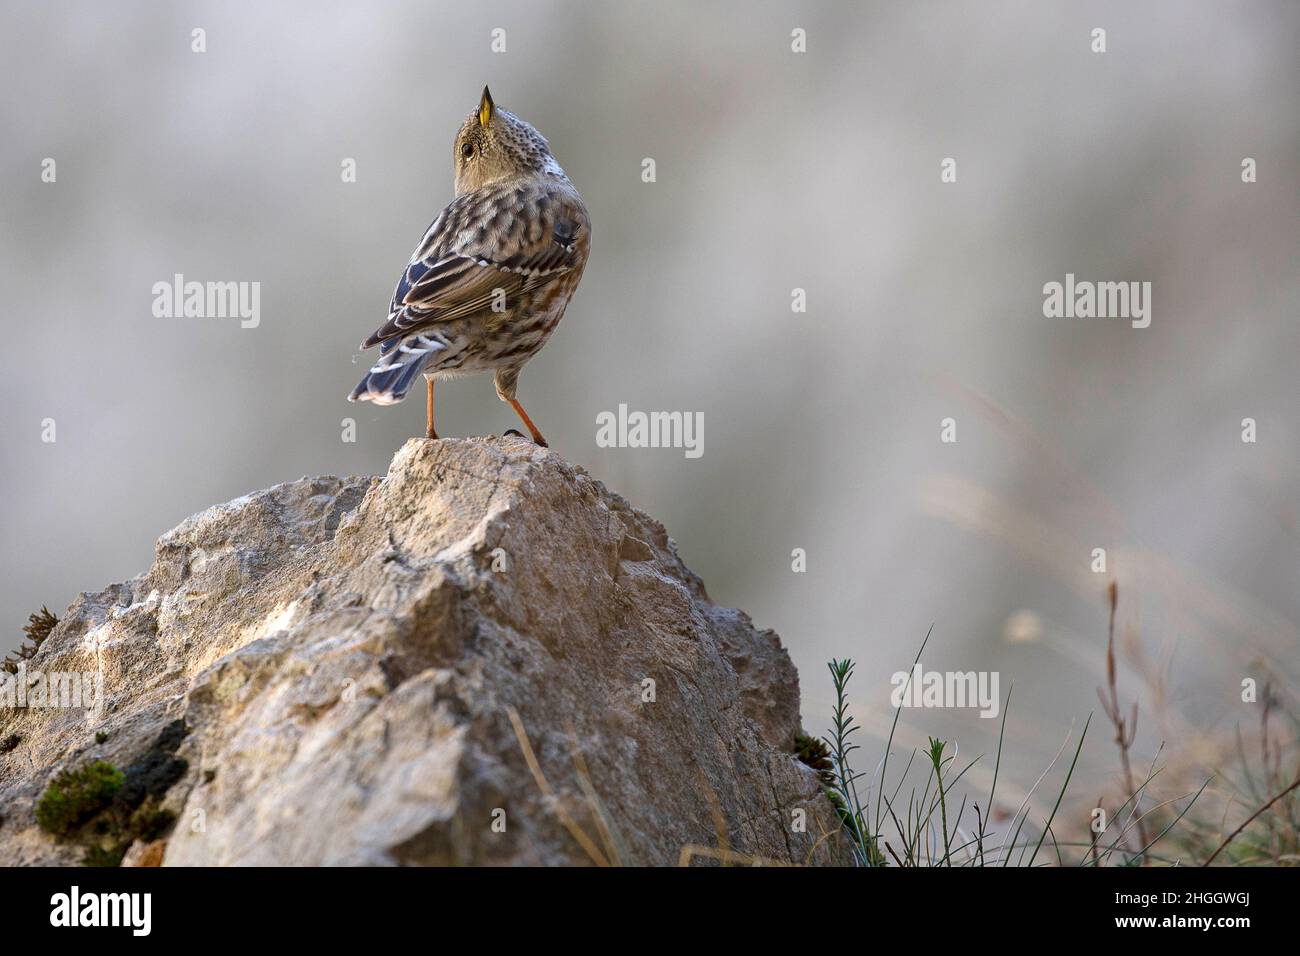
(775, 170)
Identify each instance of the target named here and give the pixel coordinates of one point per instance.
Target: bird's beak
(485, 108)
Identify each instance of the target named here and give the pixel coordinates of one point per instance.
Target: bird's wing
(508, 238)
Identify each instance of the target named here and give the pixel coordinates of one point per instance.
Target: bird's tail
(400, 362)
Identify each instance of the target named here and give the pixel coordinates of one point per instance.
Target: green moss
(815, 754)
(97, 855)
(150, 822)
(77, 795)
(100, 736)
(109, 809)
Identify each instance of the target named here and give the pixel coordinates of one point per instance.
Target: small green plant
(107, 809)
(814, 753)
(1266, 778)
(926, 830)
(100, 736)
(37, 630)
(97, 855)
(75, 796)
(844, 794)
(1265, 775)
(938, 764)
(150, 822)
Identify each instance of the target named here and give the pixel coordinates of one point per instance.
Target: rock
(483, 658)
(145, 854)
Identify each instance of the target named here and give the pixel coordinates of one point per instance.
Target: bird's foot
(515, 433)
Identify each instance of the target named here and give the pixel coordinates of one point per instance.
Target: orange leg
(428, 429)
(532, 429)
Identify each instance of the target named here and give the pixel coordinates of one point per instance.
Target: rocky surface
(483, 658)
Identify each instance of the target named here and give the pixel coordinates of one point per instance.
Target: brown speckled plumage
(492, 276)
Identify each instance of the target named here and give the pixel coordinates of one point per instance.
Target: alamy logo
(1101, 300)
(921, 688)
(651, 430)
(179, 299)
(57, 689)
(103, 909)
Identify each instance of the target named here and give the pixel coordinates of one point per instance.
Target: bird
(491, 277)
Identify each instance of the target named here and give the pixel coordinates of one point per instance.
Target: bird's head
(494, 145)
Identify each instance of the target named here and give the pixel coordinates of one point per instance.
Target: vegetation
(37, 630)
(814, 753)
(1264, 774)
(74, 796)
(1258, 791)
(922, 829)
(106, 809)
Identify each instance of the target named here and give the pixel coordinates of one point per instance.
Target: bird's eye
(467, 150)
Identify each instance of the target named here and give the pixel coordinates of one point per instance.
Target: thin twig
(568, 822)
(1125, 731)
(1249, 820)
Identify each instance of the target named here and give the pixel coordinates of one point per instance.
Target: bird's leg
(428, 429)
(532, 429)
